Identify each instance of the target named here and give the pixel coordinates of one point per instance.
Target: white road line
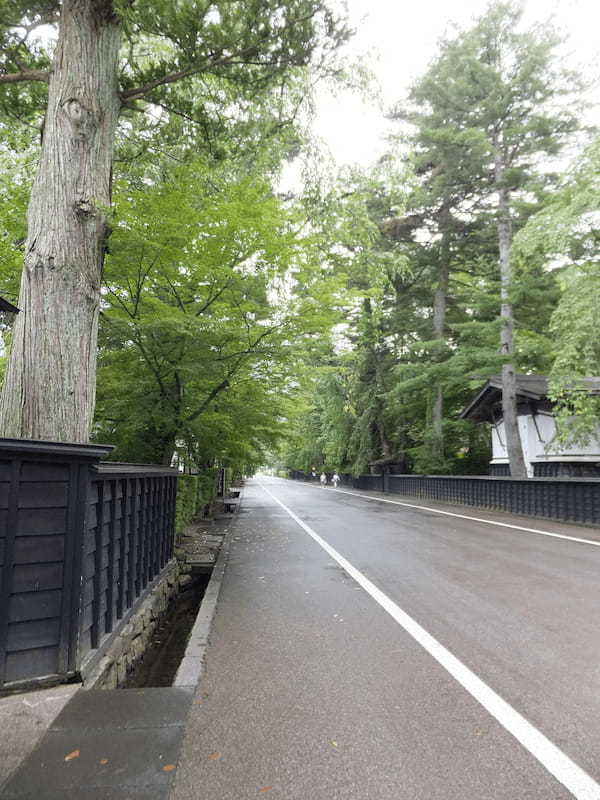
(572, 777)
(465, 516)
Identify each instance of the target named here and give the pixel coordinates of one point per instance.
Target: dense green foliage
(565, 237)
(212, 289)
(484, 121)
(194, 492)
(202, 328)
(350, 325)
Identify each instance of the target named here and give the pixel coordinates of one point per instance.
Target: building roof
(530, 389)
(6, 306)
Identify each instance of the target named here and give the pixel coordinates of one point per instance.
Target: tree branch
(239, 58)
(226, 382)
(153, 367)
(213, 298)
(217, 390)
(173, 77)
(27, 75)
(176, 295)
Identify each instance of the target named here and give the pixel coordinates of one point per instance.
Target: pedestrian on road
(323, 479)
(335, 479)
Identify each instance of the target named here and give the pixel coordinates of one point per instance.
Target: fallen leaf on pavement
(72, 755)
(214, 756)
(265, 789)
(169, 767)
(104, 760)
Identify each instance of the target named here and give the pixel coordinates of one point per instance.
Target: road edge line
(581, 785)
(497, 523)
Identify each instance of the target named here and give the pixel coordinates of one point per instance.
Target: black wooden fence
(562, 499)
(565, 500)
(129, 538)
(80, 541)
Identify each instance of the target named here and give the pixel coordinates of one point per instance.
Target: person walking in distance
(323, 479)
(335, 479)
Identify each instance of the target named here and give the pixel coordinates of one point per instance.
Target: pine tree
(493, 94)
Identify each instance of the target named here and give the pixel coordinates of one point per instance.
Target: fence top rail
(37, 447)
(497, 478)
(116, 469)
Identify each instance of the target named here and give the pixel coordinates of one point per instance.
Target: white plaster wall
(527, 433)
(544, 450)
(499, 451)
(537, 443)
(498, 443)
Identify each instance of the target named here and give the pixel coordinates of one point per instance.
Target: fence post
(43, 508)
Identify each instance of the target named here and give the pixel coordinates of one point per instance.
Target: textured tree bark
(440, 303)
(386, 448)
(514, 445)
(49, 389)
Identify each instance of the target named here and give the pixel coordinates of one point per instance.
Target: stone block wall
(131, 642)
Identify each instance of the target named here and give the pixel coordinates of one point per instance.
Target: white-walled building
(544, 457)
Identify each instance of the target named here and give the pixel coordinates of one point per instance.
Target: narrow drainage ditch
(158, 664)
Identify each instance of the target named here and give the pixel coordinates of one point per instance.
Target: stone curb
(131, 639)
(192, 664)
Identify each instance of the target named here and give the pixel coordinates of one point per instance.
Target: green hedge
(187, 500)
(206, 487)
(193, 493)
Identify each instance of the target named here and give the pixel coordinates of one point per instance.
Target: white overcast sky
(399, 38)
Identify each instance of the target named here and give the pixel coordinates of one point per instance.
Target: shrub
(194, 492)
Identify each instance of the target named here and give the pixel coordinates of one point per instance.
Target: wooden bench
(230, 503)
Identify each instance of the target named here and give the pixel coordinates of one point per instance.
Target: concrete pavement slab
(110, 744)
(24, 719)
(82, 758)
(124, 708)
(99, 793)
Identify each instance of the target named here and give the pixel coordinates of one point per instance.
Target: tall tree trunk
(440, 303)
(49, 389)
(384, 442)
(514, 445)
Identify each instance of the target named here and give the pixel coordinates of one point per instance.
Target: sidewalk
(24, 719)
(117, 744)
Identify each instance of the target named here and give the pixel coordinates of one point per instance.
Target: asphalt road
(367, 650)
